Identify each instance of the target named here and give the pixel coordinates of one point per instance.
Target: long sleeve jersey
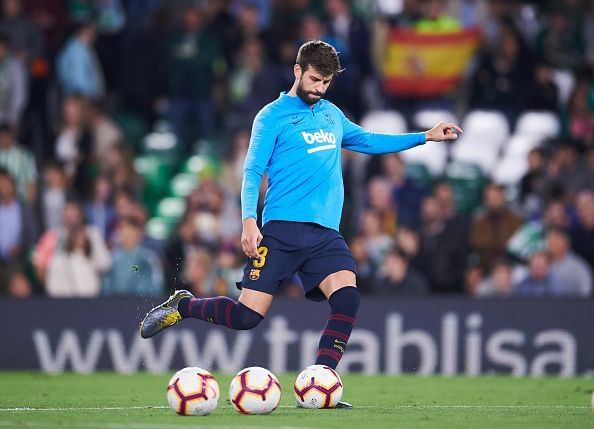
(299, 147)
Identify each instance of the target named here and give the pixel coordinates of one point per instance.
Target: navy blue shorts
(310, 250)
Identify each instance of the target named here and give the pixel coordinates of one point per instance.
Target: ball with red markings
(193, 391)
(255, 390)
(318, 386)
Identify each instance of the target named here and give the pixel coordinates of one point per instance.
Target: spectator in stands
(561, 42)
(53, 194)
(13, 85)
(543, 94)
(76, 266)
(198, 273)
(26, 40)
(229, 262)
(375, 240)
(569, 268)
(366, 269)
(456, 222)
(499, 283)
(180, 243)
(232, 174)
(105, 133)
(18, 286)
(397, 277)
(53, 240)
(193, 55)
(435, 20)
(567, 171)
(407, 195)
(532, 183)
(78, 68)
(118, 165)
(442, 257)
(99, 210)
(540, 281)
(20, 163)
(380, 199)
(493, 227)
(253, 83)
(503, 77)
(17, 228)
(73, 143)
(408, 241)
(135, 269)
(580, 115)
(582, 230)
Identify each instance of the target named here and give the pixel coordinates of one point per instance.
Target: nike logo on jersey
(297, 121)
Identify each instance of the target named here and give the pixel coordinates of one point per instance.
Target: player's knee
(247, 318)
(345, 300)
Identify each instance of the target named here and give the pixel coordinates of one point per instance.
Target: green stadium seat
(183, 184)
(133, 126)
(419, 174)
(467, 181)
(156, 174)
(159, 228)
(171, 208)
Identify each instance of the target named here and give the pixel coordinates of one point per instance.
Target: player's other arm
(264, 132)
(357, 139)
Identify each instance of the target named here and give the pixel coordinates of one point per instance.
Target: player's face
(312, 85)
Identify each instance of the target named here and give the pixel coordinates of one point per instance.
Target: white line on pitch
(409, 407)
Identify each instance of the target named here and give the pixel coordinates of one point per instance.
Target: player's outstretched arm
(251, 238)
(443, 131)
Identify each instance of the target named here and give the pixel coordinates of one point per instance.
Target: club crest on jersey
(329, 118)
(254, 274)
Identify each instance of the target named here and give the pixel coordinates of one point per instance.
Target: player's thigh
(337, 280)
(256, 300)
(329, 267)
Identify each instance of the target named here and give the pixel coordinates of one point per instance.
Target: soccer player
(297, 139)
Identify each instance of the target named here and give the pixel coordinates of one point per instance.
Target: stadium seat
(384, 121)
(171, 208)
(432, 155)
(156, 174)
(538, 124)
(467, 181)
(490, 126)
(426, 119)
(133, 126)
(478, 150)
(162, 142)
(510, 170)
(520, 144)
(419, 174)
(565, 82)
(159, 228)
(183, 184)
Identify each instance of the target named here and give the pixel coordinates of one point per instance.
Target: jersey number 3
(263, 251)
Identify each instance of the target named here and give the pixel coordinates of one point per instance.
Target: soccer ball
(193, 391)
(255, 390)
(318, 386)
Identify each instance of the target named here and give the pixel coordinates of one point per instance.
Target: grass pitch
(112, 401)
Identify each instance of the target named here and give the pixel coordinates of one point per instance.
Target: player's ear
(297, 71)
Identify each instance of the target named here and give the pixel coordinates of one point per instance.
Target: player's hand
(443, 131)
(251, 238)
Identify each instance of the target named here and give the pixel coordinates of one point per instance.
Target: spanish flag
(421, 65)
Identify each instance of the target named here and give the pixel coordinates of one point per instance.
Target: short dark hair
(321, 56)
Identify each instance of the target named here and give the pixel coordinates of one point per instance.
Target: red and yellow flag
(424, 64)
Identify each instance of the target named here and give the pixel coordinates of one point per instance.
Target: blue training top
(299, 146)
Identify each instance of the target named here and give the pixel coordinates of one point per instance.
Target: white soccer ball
(193, 391)
(318, 386)
(255, 390)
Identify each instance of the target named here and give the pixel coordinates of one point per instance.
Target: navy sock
(220, 310)
(344, 304)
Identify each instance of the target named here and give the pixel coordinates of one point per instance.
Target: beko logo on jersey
(319, 137)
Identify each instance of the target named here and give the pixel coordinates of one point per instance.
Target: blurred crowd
(92, 90)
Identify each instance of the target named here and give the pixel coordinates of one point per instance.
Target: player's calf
(344, 304)
(220, 310)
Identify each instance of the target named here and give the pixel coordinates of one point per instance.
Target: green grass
(113, 401)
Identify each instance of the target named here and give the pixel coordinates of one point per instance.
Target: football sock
(220, 310)
(344, 304)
